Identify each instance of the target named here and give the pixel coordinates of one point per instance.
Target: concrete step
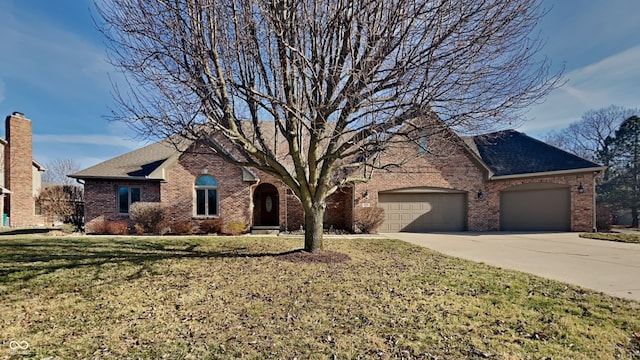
(265, 230)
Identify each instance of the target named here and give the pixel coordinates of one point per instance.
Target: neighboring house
(500, 181)
(20, 181)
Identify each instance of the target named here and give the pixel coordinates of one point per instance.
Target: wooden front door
(266, 207)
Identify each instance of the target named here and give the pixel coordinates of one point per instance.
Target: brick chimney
(18, 160)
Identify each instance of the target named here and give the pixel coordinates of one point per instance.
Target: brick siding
(447, 165)
(101, 199)
(19, 171)
(581, 203)
(178, 194)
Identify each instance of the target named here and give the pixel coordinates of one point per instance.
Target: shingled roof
(146, 163)
(505, 153)
(511, 153)
(137, 164)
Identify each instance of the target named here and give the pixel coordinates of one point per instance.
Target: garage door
(536, 207)
(420, 212)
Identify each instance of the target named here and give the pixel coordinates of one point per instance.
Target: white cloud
(41, 55)
(86, 150)
(94, 140)
(584, 34)
(611, 81)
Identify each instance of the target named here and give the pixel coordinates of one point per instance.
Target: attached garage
(536, 207)
(423, 211)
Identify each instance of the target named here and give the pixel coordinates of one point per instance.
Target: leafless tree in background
(308, 90)
(62, 198)
(587, 136)
(57, 171)
(63, 203)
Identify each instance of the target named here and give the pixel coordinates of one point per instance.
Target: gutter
(126, 178)
(549, 173)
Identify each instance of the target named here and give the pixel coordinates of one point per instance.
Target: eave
(548, 173)
(123, 178)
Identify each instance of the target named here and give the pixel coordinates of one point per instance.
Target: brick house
(21, 178)
(499, 181)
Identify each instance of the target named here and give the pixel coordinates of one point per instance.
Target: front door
(266, 208)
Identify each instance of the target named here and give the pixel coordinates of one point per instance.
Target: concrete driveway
(610, 267)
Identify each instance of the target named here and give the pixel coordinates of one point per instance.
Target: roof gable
(509, 153)
(503, 154)
(140, 163)
(146, 163)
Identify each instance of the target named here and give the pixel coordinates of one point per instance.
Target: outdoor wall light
(366, 194)
(580, 188)
(480, 195)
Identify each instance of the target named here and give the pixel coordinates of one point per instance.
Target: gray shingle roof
(510, 152)
(505, 153)
(140, 163)
(146, 163)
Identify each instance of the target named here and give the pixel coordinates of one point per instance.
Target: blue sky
(53, 69)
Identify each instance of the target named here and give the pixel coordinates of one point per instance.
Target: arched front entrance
(266, 209)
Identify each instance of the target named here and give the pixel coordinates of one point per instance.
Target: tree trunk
(634, 217)
(313, 220)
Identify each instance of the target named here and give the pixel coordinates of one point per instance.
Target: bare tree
(588, 136)
(63, 203)
(335, 81)
(57, 171)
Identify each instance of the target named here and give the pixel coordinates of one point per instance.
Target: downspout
(353, 206)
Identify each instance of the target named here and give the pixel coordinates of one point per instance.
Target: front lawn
(199, 298)
(619, 237)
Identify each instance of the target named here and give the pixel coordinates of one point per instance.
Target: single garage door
(423, 212)
(536, 207)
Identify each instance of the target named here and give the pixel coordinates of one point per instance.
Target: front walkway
(610, 267)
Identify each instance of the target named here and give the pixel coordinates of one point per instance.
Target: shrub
(97, 226)
(138, 229)
(148, 215)
(235, 227)
(181, 227)
(211, 226)
(117, 227)
(604, 218)
(368, 219)
(108, 227)
(68, 228)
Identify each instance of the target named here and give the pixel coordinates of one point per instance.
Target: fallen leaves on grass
(322, 257)
(635, 345)
(90, 297)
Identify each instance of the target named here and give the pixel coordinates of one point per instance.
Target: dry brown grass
(618, 237)
(210, 297)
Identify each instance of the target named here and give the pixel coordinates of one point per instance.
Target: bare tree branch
(300, 88)
(57, 171)
(588, 136)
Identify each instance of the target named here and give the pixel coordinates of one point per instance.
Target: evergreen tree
(621, 185)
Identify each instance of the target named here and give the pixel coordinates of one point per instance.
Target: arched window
(206, 196)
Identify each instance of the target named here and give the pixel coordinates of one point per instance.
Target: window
(126, 197)
(206, 196)
(423, 142)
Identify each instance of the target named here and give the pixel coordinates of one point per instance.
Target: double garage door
(531, 207)
(423, 212)
(536, 207)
